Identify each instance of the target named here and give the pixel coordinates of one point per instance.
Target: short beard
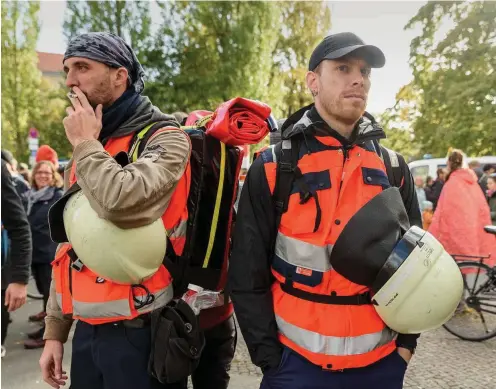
(332, 109)
(101, 94)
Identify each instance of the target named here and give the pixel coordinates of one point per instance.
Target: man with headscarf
(106, 82)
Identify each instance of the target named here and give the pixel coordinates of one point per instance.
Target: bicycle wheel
(475, 317)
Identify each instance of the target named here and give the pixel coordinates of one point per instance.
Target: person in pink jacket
(461, 214)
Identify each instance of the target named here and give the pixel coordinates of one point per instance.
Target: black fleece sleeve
(409, 196)
(250, 278)
(16, 223)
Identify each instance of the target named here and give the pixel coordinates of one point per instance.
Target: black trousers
(112, 356)
(216, 358)
(5, 317)
(42, 273)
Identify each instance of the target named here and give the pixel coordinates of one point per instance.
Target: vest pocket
(315, 181)
(375, 177)
(299, 274)
(305, 202)
(374, 182)
(98, 299)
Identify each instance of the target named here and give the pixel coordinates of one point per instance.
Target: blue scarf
(122, 109)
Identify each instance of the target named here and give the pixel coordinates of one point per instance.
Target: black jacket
(483, 183)
(435, 191)
(20, 185)
(16, 223)
(492, 206)
(43, 246)
(250, 278)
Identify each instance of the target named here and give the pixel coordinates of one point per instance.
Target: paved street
(442, 361)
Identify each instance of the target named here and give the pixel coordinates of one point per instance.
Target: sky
(379, 23)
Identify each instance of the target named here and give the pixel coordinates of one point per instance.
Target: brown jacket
(129, 197)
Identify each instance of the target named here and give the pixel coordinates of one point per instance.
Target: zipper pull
(345, 153)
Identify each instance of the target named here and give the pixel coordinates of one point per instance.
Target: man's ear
(121, 76)
(312, 83)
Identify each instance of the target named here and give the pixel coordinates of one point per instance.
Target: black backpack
(177, 341)
(215, 169)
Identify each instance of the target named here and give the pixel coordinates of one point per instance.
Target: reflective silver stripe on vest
(179, 230)
(162, 297)
(117, 308)
(303, 254)
(102, 310)
(334, 345)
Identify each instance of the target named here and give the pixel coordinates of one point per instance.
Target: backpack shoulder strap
(141, 138)
(286, 153)
(176, 265)
(393, 167)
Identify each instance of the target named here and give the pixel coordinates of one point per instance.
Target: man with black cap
(111, 348)
(305, 324)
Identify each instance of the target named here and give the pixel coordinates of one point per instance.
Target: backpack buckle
(364, 298)
(77, 265)
(279, 205)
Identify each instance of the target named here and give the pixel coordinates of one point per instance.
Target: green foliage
(396, 122)
(127, 19)
(50, 125)
(28, 100)
(21, 99)
(455, 77)
(204, 53)
(302, 26)
(214, 51)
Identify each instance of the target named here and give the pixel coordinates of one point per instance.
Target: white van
(428, 167)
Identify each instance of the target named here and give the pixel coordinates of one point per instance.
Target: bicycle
(475, 318)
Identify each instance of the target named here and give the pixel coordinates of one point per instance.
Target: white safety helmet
(415, 284)
(125, 256)
(423, 293)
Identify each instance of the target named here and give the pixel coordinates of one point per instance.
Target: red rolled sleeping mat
(239, 122)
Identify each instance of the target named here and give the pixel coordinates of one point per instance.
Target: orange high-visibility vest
(329, 335)
(95, 300)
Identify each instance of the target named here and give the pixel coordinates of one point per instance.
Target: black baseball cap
(339, 45)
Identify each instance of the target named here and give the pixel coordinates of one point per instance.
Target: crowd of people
(38, 189)
(280, 279)
(459, 202)
(429, 192)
